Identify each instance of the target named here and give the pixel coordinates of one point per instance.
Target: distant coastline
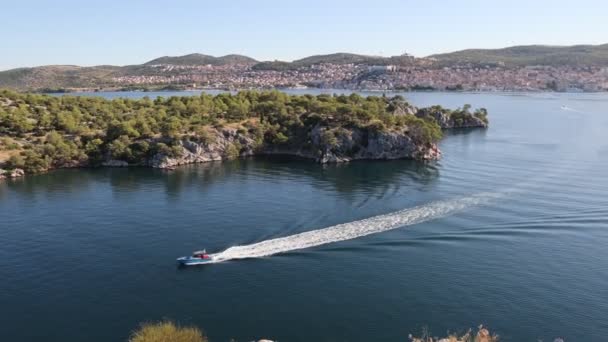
(532, 68)
(178, 88)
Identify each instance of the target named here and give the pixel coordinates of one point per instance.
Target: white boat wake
(356, 229)
(568, 109)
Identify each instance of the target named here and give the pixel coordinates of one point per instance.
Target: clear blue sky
(134, 31)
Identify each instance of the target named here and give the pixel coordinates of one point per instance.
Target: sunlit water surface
(508, 229)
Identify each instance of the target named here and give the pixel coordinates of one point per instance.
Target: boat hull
(190, 261)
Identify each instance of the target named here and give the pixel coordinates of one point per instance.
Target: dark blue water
(86, 255)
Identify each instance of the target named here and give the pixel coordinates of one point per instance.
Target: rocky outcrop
(403, 108)
(355, 144)
(227, 143)
(326, 145)
(15, 173)
(115, 163)
(448, 119)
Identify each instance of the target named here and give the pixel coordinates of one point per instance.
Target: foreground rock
(15, 173)
(226, 144)
(357, 144)
(447, 119)
(482, 335)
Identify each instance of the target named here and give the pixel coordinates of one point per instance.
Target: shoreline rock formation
(14, 173)
(42, 133)
(349, 145)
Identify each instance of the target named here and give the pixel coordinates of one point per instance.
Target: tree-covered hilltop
(41, 132)
(201, 59)
(530, 55)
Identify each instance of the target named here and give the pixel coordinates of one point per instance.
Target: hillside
(200, 59)
(58, 76)
(596, 55)
(149, 74)
(335, 58)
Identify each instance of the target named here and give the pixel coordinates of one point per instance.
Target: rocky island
(40, 132)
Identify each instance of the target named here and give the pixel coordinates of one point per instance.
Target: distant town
(576, 68)
(421, 75)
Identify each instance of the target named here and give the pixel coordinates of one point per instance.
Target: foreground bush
(167, 332)
(482, 335)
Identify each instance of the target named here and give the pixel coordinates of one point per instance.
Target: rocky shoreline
(45, 133)
(389, 145)
(14, 173)
(350, 144)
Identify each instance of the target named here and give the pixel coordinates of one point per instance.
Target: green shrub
(15, 162)
(328, 139)
(233, 151)
(34, 162)
(162, 148)
(375, 126)
(8, 144)
(177, 151)
(166, 332)
(204, 136)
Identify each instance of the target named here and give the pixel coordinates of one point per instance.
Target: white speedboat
(197, 258)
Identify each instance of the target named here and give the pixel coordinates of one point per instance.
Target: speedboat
(197, 258)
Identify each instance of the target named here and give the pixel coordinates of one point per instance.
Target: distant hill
(335, 58)
(57, 77)
(200, 59)
(70, 76)
(274, 65)
(530, 55)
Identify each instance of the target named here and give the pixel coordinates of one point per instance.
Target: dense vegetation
(41, 132)
(334, 58)
(201, 59)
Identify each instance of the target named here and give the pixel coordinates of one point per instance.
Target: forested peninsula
(41, 132)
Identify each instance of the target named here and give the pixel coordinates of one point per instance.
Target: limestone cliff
(14, 173)
(326, 145)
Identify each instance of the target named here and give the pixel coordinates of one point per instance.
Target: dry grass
(166, 331)
(241, 124)
(8, 148)
(482, 335)
(5, 155)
